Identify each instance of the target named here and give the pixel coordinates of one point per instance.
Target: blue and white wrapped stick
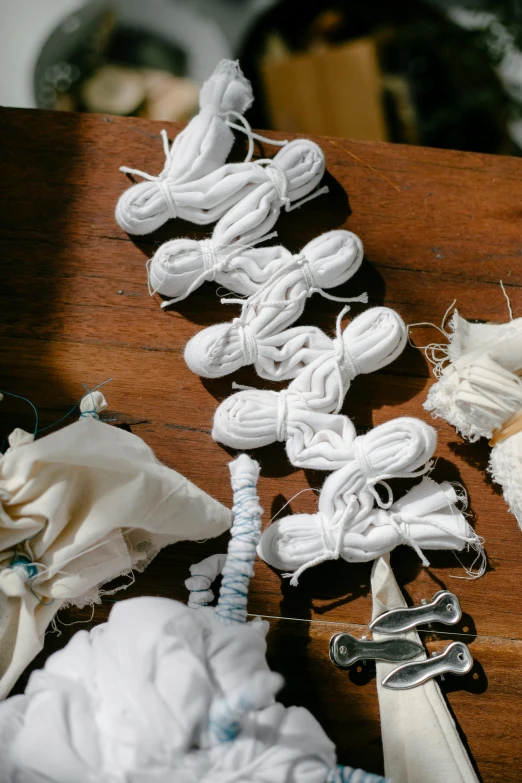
(245, 535)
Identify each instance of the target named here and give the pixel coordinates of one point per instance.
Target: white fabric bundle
(78, 508)
(346, 526)
(399, 448)
(480, 393)
(245, 197)
(260, 336)
(204, 144)
(420, 739)
(298, 415)
(180, 266)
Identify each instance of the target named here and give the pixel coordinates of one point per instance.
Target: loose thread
(510, 311)
(352, 155)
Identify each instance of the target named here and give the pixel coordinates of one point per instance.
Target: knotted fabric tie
(282, 416)
(331, 543)
(278, 177)
(247, 339)
(344, 361)
(312, 283)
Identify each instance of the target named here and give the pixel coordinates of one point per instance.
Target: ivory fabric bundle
(299, 415)
(479, 392)
(347, 525)
(246, 198)
(78, 508)
(260, 336)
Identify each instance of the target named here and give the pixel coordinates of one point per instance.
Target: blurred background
(429, 72)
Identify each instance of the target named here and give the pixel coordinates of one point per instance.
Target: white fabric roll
(260, 336)
(346, 526)
(78, 508)
(297, 415)
(136, 698)
(205, 143)
(181, 265)
(246, 198)
(398, 448)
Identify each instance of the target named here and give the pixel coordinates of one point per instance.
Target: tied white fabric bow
(78, 508)
(180, 266)
(480, 393)
(260, 335)
(246, 198)
(205, 143)
(427, 517)
(298, 415)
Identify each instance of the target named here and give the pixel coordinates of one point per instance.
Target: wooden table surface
(74, 308)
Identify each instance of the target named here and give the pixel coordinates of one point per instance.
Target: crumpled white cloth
(136, 700)
(347, 526)
(78, 508)
(203, 145)
(419, 736)
(260, 335)
(246, 198)
(479, 391)
(298, 415)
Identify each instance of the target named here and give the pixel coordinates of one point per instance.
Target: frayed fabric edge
(503, 464)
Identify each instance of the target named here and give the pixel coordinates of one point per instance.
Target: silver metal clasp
(345, 650)
(443, 608)
(455, 659)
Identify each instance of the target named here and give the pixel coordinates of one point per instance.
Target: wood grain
(74, 308)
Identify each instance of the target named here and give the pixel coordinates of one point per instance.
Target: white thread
(278, 178)
(246, 128)
(510, 311)
(344, 361)
(282, 416)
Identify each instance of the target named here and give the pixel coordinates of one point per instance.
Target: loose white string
(246, 128)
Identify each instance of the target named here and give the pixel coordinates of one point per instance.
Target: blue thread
(69, 413)
(22, 560)
(238, 570)
(18, 397)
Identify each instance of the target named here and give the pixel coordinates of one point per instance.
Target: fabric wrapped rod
(260, 335)
(298, 415)
(479, 392)
(245, 197)
(346, 526)
(79, 508)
